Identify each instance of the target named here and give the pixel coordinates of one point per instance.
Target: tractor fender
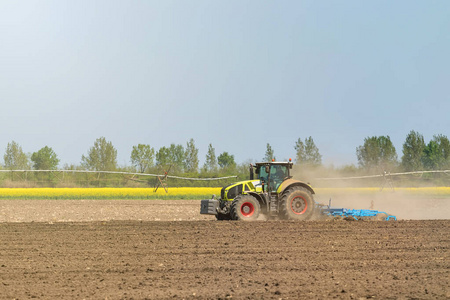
(260, 199)
(292, 182)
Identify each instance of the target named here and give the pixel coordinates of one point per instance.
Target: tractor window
(262, 174)
(280, 172)
(277, 175)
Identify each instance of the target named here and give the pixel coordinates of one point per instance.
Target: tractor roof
(278, 163)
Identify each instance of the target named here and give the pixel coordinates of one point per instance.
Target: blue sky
(237, 74)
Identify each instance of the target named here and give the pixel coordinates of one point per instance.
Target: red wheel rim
(299, 205)
(247, 209)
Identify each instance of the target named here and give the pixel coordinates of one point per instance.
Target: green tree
(444, 150)
(211, 160)
(15, 158)
(413, 152)
(432, 157)
(377, 153)
(226, 161)
(437, 153)
(142, 157)
(269, 153)
(171, 156)
(299, 151)
(45, 159)
(312, 156)
(191, 157)
(101, 157)
(163, 156)
(177, 156)
(307, 152)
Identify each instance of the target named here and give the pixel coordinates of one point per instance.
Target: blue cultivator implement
(357, 214)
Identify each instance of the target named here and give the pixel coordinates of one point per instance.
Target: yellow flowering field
(189, 193)
(108, 193)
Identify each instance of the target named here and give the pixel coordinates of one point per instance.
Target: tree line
(376, 154)
(102, 156)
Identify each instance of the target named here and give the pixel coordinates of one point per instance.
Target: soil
(165, 250)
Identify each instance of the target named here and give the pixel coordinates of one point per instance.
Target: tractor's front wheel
(245, 208)
(296, 204)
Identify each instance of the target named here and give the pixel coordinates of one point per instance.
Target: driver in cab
(277, 175)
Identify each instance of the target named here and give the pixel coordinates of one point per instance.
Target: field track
(63, 250)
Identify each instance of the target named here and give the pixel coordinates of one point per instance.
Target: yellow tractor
(272, 192)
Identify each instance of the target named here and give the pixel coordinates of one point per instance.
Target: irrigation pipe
(122, 173)
(382, 175)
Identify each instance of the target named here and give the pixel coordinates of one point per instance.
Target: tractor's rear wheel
(245, 208)
(296, 204)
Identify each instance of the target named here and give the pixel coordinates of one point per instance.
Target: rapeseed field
(108, 193)
(190, 193)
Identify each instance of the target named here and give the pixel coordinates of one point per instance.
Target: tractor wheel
(223, 217)
(245, 208)
(296, 204)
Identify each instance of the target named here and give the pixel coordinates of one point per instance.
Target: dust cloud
(394, 202)
(404, 207)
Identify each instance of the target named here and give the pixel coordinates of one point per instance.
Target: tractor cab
(271, 174)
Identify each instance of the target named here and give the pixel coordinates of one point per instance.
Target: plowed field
(68, 253)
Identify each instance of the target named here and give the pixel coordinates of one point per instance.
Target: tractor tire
(223, 217)
(245, 208)
(296, 204)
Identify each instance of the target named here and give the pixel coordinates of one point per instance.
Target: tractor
(272, 192)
